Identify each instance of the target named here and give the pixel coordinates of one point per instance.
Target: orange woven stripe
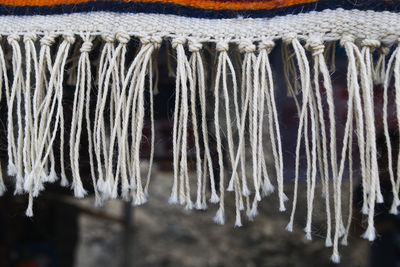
(205, 4)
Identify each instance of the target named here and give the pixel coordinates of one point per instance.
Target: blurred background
(69, 232)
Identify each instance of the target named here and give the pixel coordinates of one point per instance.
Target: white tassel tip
(328, 242)
(267, 189)
(173, 199)
(18, 189)
(11, 169)
(285, 198)
(335, 258)
(230, 186)
(28, 183)
(29, 212)
(289, 227)
(52, 177)
(344, 242)
(99, 202)
(238, 221)
(245, 191)
(214, 198)
(394, 210)
(79, 191)
(379, 198)
(219, 217)
(140, 200)
(189, 206)
(251, 214)
(64, 181)
(364, 210)
(200, 206)
(308, 236)
(38, 188)
(369, 234)
(282, 207)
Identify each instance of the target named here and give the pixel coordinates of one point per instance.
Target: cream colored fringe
(243, 88)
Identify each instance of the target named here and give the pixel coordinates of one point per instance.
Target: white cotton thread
(3, 78)
(50, 104)
(375, 192)
(31, 59)
(317, 47)
(265, 48)
(153, 90)
(82, 93)
(14, 166)
(391, 68)
(194, 48)
(305, 80)
(379, 71)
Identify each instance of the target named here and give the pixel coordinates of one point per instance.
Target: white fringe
(242, 84)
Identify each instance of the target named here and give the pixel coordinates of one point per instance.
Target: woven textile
(105, 53)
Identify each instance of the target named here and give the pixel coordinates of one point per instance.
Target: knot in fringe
(345, 39)
(12, 37)
(371, 43)
(384, 50)
(195, 45)
(70, 38)
(267, 45)
(289, 37)
(30, 36)
(178, 41)
(86, 46)
(109, 38)
(155, 40)
(222, 46)
(47, 40)
(246, 46)
(315, 45)
(122, 37)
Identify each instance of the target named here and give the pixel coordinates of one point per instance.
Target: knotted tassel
(317, 48)
(305, 82)
(45, 66)
(197, 67)
(267, 85)
(368, 47)
(117, 97)
(3, 80)
(134, 84)
(104, 183)
(392, 67)
(153, 90)
(15, 146)
(82, 92)
(51, 103)
(31, 60)
(375, 194)
(222, 48)
(379, 70)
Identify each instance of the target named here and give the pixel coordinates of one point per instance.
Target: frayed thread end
(219, 217)
(289, 227)
(335, 258)
(369, 234)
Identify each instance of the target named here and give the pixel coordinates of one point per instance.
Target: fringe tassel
(316, 46)
(83, 87)
(305, 81)
(243, 91)
(196, 63)
(392, 67)
(3, 80)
